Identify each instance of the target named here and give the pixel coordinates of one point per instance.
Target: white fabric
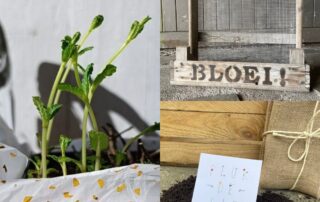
(134, 183)
(12, 163)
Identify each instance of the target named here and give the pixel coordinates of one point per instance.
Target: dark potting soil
(182, 192)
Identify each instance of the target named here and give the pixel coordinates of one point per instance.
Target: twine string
(306, 135)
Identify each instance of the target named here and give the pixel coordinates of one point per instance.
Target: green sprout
(85, 89)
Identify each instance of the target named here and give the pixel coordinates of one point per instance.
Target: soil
(182, 192)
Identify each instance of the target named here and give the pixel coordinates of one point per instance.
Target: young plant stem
(84, 139)
(54, 94)
(64, 165)
(44, 149)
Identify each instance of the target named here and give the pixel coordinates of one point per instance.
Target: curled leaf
(84, 50)
(64, 143)
(78, 92)
(109, 70)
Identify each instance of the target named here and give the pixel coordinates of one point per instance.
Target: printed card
(226, 179)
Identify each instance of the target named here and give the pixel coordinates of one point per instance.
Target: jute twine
(306, 135)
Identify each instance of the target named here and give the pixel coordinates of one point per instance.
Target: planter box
(138, 182)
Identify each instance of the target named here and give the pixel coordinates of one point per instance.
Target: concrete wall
(34, 28)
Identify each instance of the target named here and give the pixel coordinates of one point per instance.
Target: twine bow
(306, 135)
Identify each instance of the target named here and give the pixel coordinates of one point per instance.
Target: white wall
(34, 28)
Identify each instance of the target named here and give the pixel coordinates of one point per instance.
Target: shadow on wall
(66, 121)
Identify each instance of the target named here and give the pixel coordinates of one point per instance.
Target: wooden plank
(308, 12)
(210, 14)
(267, 76)
(223, 15)
(236, 14)
(247, 37)
(201, 15)
(299, 22)
(316, 22)
(188, 153)
(245, 107)
(311, 35)
(273, 9)
(169, 15)
(182, 15)
(261, 14)
(193, 28)
(173, 39)
(248, 14)
(213, 126)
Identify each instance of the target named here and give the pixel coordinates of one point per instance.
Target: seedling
(84, 90)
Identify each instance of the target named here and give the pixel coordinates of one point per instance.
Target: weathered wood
(169, 16)
(316, 22)
(267, 76)
(193, 28)
(273, 9)
(182, 15)
(248, 15)
(307, 8)
(182, 53)
(188, 153)
(173, 39)
(210, 14)
(261, 14)
(236, 14)
(297, 56)
(245, 107)
(211, 125)
(247, 37)
(201, 15)
(311, 35)
(223, 15)
(299, 20)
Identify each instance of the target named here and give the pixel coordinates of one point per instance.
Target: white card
(226, 179)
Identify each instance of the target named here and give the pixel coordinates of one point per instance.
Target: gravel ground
(172, 175)
(171, 92)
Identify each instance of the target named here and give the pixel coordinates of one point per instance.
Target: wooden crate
(223, 128)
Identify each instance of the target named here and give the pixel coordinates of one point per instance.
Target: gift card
(226, 179)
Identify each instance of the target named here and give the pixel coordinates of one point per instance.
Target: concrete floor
(172, 175)
(171, 92)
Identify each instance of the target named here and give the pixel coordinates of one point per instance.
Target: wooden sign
(267, 76)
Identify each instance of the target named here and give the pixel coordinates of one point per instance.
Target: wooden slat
(245, 107)
(210, 14)
(273, 9)
(236, 14)
(248, 14)
(317, 14)
(308, 13)
(182, 15)
(214, 126)
(187, 153)
(169, 15)
(311, 35)
(247, 37)
(201, 15)
(261, 14)
(223, 15)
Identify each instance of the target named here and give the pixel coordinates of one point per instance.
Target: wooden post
(193, 28)
(299, 20)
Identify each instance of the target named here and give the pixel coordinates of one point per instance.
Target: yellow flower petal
(137, 191)
(52, 187)
(12, 154)
(67, 195)
(95, 197)
(27, 199)
(121, 187)
(139, 173)
(101, 183)
(75, 182)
